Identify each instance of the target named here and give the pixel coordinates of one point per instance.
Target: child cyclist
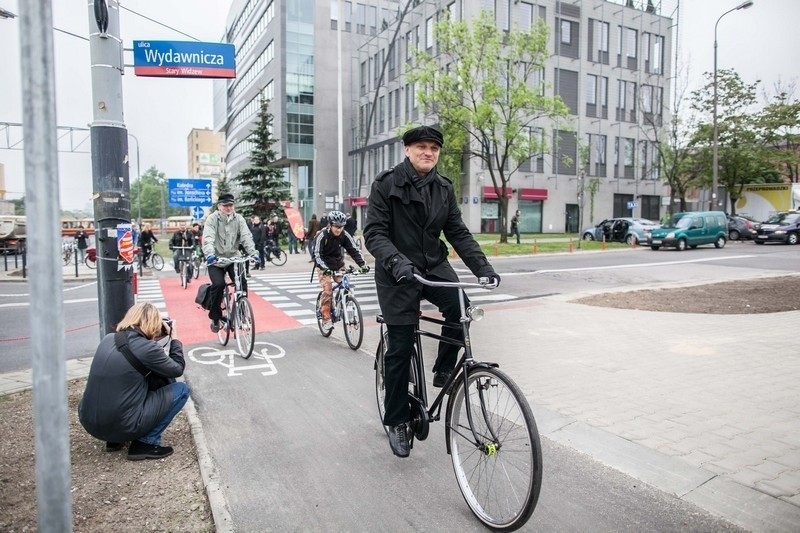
(328, 258)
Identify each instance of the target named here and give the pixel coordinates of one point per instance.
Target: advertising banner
(295, 222)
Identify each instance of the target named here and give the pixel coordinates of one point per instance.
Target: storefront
(490, 209)
(531, 204)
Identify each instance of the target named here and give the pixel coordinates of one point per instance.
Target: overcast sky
(760, 43)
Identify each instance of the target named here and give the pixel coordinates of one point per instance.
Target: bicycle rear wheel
(224, 332)
(91, 263)
(279, 258)
(245, 327)
(501, 475)
(380, 385)
(157, 262)
(326, 332)
(352, 319)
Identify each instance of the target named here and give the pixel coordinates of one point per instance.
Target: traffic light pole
(110, 176)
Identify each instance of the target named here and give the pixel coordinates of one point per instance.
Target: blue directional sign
(197, 212)
(182, 59)
(189, 192)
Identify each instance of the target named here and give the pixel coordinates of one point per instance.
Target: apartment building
(610, 63)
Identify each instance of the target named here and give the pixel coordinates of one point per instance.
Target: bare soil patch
(766, 295)
(109, 493)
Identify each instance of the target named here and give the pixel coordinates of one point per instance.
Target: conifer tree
(262, 186)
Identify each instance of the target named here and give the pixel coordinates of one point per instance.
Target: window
(372, 19)
(629, 147)
(591, 89)
(363, 78)
(600, 149)
(348, 15)
(626, 101)
(647, 98)
(598, 41)
(503, 14)
(566, 32)
(657, 59)
(630, 44)
(429, 33)
(566, 82)
(334, 14)
(381, 113)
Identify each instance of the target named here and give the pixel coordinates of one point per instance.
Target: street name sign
(182, 59)
(189, 192)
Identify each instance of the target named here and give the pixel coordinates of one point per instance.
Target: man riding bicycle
(410, 207)
(180, 243)
(328, 258)
(224, 231)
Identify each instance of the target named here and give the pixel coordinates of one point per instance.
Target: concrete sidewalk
(704, 407)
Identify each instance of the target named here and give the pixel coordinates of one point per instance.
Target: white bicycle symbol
(262, 351)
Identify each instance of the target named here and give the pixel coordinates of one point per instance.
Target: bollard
(496, 249)
(535, 247)
(604, 243)
(135, 284)
(569, 248)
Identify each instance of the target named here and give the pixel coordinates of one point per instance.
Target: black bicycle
(237, 313)
(274, 254)
(490, 432)
(344, 307)
(185, 265)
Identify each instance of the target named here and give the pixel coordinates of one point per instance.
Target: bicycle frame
(465, 362)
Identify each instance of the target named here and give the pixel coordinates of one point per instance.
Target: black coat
(116, 405)
(400, 230)
(259, 235)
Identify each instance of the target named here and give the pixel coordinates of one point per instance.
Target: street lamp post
(715, 163)
(139, 181)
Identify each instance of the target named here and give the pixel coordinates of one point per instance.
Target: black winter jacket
(400, 230)
(328, 250)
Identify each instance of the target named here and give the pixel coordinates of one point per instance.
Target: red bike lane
(192, 323)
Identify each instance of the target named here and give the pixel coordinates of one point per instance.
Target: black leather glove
(364, 268)
(494, 277)
(405, 274)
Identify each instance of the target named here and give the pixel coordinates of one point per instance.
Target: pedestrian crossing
(295, 293)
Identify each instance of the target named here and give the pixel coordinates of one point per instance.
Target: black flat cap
(226, 198)
(423, 133)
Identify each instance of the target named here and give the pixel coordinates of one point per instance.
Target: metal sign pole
(51, 427)
(110, 182)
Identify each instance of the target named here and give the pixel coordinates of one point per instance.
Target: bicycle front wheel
(197, 269)
(353, 332)
(184, 275)
(157, 262)
(500, 473)
(279, 258)
(245, 327)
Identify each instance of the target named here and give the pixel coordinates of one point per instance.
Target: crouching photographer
(131, 393)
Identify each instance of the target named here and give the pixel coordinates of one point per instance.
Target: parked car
(740, 227)
(691, 230)
(780, 227)
(625, 229)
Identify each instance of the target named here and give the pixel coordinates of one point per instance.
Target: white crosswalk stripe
(296, 296)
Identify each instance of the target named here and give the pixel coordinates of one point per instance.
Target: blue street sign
(181, 59)
(632, 205)
(197, 212)
(189, 192)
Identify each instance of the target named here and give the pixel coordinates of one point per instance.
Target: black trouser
(401, 344)
(217, 276)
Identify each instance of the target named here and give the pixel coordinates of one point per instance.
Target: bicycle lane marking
(192, 322)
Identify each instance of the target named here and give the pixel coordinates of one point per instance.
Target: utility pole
(110, 182)
(51, 423)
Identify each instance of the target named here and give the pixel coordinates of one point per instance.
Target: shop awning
(490, 194)
(358, 200)
(533, 194)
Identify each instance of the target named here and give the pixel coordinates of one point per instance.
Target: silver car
(624, 229)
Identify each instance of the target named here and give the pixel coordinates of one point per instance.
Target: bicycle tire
(184, 275)
(501, 477)
(197, 269)
(352, 320)
(224, 332)
(66, 258)
(157, 262)
(89, 262)
(325, 332)
(245, 327)
(279, 259)
(380, 385)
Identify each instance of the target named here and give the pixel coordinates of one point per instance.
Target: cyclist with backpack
(328, 258)
(224, 232)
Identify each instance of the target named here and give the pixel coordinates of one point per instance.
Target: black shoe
(215, 326)
(398, 440)
(440, 378)
(141, 450)
(113, 446)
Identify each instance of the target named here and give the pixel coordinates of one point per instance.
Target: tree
(223, 187)
(19, 206)
(742, 157)
(262, 184)
(778, 128)
(484, 91)
(150, 189)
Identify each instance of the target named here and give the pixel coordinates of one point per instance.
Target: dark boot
(139, 450)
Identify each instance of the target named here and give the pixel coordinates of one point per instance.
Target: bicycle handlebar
(483, 283)
(225, 261)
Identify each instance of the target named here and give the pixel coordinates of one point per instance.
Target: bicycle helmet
(337, 218)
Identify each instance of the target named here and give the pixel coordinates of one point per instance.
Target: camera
(166, 326)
